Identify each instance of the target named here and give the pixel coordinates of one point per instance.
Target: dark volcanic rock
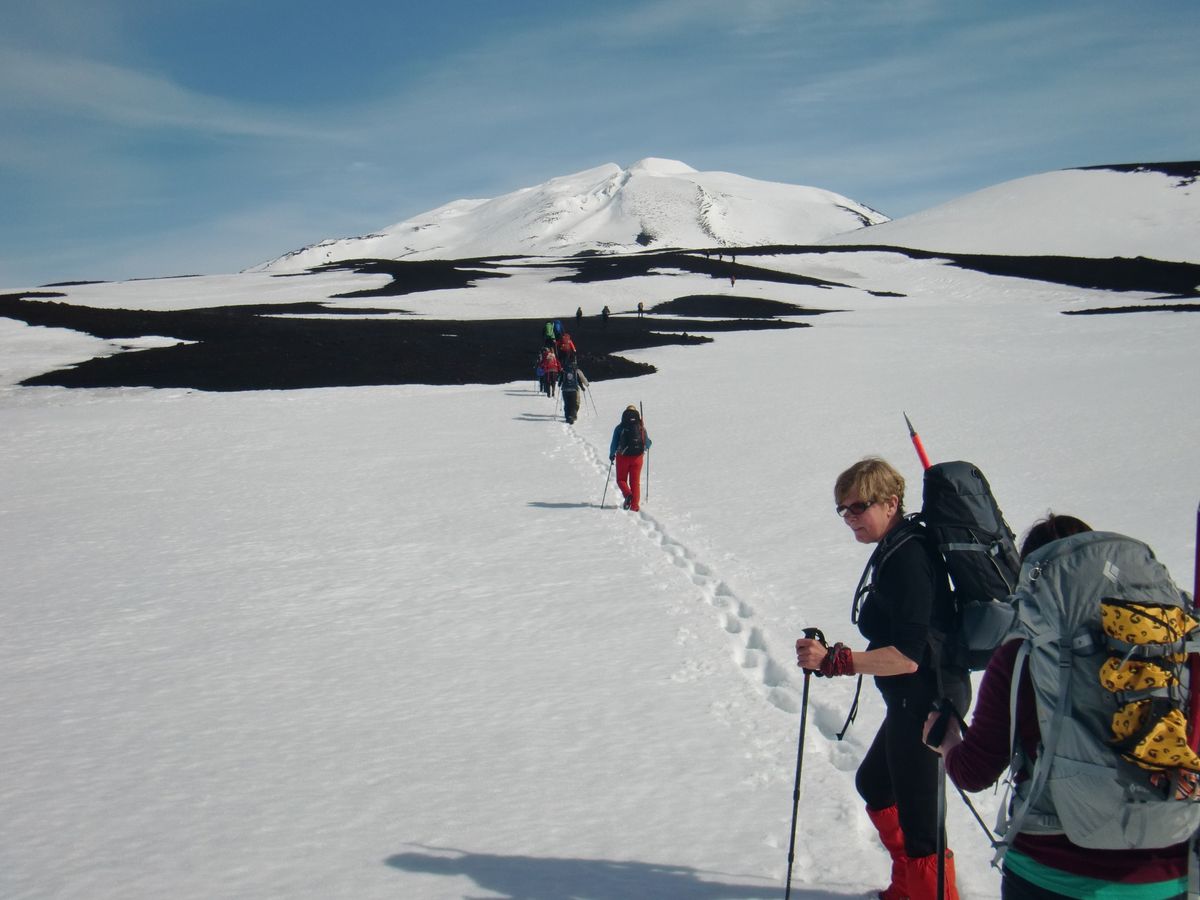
(264, 347)
(1187, 171)
(725, 305)
(327, 344)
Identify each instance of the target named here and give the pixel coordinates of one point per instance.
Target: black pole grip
(946, 711)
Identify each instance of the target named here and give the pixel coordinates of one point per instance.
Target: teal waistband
(1084, 888)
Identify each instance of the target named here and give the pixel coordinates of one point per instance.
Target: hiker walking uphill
(904, 609)
(628, 448)
(571, 382)
(550, 370)
(1119, 825)
(566, 349)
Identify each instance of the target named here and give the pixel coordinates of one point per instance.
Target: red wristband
(838, 661)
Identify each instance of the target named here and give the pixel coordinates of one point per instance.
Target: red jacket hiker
(566, 347)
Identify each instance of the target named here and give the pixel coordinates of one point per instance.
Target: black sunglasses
(854, 509)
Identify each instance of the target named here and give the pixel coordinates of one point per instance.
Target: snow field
(383, 642)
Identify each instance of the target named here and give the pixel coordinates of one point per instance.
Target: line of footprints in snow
(735, 616)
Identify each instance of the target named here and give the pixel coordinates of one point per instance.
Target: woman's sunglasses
(854, 509)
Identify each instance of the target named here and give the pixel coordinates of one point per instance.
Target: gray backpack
(1106, 640)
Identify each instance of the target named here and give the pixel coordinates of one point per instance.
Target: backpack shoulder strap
(1049, 745)
(1007, 825)
(910, 528)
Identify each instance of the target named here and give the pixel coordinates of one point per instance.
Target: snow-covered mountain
(1150, 209)
(654, 203)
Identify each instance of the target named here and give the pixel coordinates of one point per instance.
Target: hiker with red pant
(628, 449)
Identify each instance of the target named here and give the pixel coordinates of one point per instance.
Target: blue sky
(161, 137)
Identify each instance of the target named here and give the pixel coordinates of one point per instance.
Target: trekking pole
(642, 413)
(937, 734)
(607, 479)
(916, 440)
(813, 634)
(941, 825)
(1193, 869)
(1193, 658)
(593, 402)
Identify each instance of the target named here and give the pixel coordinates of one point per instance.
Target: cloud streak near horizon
(131, 145)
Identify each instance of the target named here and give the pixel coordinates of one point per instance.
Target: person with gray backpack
(1085, 707)
(571, 381)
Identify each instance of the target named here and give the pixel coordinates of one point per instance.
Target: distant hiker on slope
(905, 607)
(641, 308)
(604, 314)
(566, 349)
(540, 372)
(578, 317)
(550, 368)
(1042, 861)
(571, 382)
(628, 447)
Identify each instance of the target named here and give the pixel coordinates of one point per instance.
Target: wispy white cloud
(117, 95)
(796, 21)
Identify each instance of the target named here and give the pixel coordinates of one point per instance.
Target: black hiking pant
(570, 405)
(900, 770)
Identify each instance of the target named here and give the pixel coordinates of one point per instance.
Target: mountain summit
(655, 203)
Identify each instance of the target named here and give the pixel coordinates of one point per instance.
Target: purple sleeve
(984, 755)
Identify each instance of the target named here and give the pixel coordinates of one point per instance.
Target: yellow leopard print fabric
(1135, 675)
(1150, 735)
(1163, 746)
(1146, 623)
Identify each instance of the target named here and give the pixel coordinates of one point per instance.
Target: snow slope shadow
(552, 878)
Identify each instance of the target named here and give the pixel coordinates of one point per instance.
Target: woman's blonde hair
(873, 479)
